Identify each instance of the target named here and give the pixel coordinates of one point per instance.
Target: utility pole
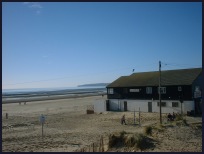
(160, 91)
(139, 117)
(134, 118)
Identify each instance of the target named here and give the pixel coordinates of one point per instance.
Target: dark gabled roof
(168, 77)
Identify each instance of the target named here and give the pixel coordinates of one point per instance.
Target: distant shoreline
(94, 85)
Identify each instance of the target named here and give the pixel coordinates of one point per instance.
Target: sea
(59, 89)
(34, 94)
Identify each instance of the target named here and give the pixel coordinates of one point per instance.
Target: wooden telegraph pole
(139, 117)
(134, 118)
(160, 91)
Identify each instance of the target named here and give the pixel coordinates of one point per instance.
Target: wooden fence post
(93, 147)
(6, 115)
(102, 145)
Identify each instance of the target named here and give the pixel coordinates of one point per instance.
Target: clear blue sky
(67, 44)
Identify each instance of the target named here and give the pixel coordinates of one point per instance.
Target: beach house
(180, 91)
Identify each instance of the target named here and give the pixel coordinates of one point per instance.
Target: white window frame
(149, 90)
(110, 91)
(163, 90)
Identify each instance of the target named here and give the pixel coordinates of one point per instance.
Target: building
(180, 91)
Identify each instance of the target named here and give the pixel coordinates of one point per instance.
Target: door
(125, 105)
(149, 106)
(107, 105)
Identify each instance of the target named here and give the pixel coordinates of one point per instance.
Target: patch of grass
(178, 117)
(112, 140)
(182, 123)
(148, 130)
(122, 133)
(159, 128)
(185, 122)
(129, 141)
(179, 123)
(199, 126)
(143, 142)
(137, 140)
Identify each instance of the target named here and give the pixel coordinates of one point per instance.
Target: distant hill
(93, 85)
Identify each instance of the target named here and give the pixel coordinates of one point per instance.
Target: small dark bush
(185, 122)
(141, 141)
(179, 117)
(148, 130)
(112, 140)
(122, 133)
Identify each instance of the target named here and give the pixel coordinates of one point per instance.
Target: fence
(154, 117)
(90, 109)
(142, 118)
(100, 146)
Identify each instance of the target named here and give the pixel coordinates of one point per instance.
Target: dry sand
(69, 128)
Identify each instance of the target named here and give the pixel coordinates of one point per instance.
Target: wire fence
(90, 109)
(144, 118)
(100, 145)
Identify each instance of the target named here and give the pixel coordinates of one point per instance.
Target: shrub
(179, 117)
(112, 140)
(137, 140)
(129, 141)
(185, 122)
(148, 130)
(141, 141)
(122, 133)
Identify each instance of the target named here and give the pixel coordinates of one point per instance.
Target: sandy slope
(68, 127)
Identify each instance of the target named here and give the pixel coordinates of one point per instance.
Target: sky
(66, 44)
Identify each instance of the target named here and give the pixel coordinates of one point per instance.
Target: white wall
(100, 106)
(136, 104)
(116, 105)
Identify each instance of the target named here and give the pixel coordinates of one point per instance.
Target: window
(134, 90)
(149, 90)
(179, 88)
(163, 104)
(110, 91)
(163, 90)
(175, 104)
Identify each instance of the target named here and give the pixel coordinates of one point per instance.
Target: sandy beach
(68, 127)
